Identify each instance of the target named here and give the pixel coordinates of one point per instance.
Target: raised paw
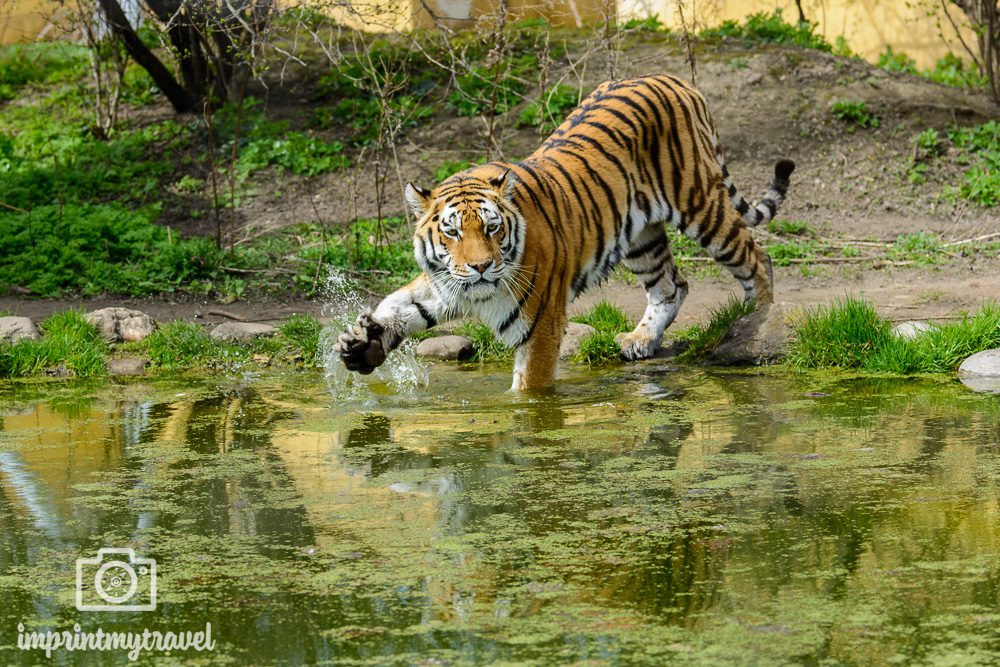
(360, 346)
(636, 345)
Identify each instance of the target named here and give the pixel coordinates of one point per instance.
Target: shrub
(550, 111)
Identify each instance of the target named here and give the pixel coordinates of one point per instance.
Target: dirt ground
(769, 103)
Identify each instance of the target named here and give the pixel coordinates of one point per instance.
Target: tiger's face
(469, 237)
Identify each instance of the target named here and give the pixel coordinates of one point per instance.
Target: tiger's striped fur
(514, 243)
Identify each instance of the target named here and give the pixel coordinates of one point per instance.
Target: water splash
(403, 373)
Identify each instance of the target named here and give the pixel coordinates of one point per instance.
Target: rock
(15, 329)
(981, 371)
(121, 325)
(575, 333)
(448, 348)
(761, 337)
(242, 332)
(127, 366)
(911, 329)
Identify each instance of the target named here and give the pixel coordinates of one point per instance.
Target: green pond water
(648, 515)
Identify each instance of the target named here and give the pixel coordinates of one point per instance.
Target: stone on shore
(912, 329)
(121, 325)
(981, 372)
(762, 337)
(16, 329)
(242, 332)
(446, 348)
(575, 333)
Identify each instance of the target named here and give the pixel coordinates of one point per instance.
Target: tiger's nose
(482, 268)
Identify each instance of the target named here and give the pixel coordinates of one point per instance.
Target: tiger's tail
(764, 210)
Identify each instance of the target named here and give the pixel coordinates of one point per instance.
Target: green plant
(296, 152)
(648, 24)
(770, 28)
(843, 335)
(856, 113)
(498, 88)
(449, 169)
(702, 340)
(69, 342)
(921, 247)
(842, 49)
(486, 345)
(782, 253)
(299, 337)
(178, 345)
(891, 61)
(953, 71)
(39, 63)
(790, 227)
(602, 347)
(551, 109)
(605, 316)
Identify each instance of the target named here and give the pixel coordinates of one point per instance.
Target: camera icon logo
(120, 580)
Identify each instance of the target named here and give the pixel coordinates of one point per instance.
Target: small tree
(215, 44)
(984, 15)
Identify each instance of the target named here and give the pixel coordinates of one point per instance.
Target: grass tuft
(178, 345)
(843, 334)
(69, 344)
(487, 347)
(605, 316)
(704, 339)
(298, 336)
(602, 346)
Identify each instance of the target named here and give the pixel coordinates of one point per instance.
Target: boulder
(575, 333)
(242, 332)
(127, 366)
(762, 337)
(446, 348)
(981, 371)
(121, 325)
(15, 329)
(911, 329)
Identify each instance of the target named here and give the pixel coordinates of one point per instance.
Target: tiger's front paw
(360, 346)
(636, 345)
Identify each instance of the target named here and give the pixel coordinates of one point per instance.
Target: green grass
(856, 113)
(702, 340)
(69, 344)
(851, 334)
(601, 347)
(487, 348)
(41, 63)
(841, 335)
(183, 345)
(764, 28)
(790, 227)
(107, 248)
(298, 337)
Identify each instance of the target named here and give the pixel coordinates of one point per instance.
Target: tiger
(514, 243)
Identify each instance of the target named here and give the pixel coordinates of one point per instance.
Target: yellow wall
(869, 26)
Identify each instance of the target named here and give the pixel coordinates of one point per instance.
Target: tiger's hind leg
(732, 245)
(650, 259)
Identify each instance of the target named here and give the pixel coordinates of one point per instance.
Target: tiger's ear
(418, 198)
(504, 183)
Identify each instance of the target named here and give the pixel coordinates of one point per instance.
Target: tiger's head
(470, 235)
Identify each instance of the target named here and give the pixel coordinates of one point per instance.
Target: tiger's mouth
(480, 290)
